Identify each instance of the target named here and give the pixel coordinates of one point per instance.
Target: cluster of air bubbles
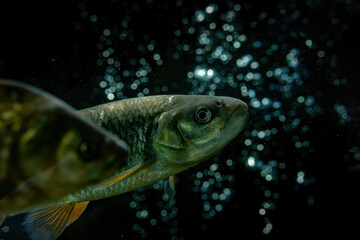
(142, 213)
(267, 206)
(267, 73)
(222, 43)
(342, 113)
(123, 75)
(213, 187)
(292, 58)
(5, 229)
(352, 157)
(164, 212)
(117, 78)
(205, 81)
(356, 152)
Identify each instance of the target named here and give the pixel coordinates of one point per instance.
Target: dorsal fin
(48, 223)
(78, 210)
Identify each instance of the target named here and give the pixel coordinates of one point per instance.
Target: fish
(48, 150)
(166, 134)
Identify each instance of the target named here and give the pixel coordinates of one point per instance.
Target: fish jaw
(237, 120)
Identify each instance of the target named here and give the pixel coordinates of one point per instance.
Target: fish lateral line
(123, 175)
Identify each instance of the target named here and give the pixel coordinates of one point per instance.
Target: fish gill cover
(295, 166)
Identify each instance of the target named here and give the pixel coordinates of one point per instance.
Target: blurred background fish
(47, 150)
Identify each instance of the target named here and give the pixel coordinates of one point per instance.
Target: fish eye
(203, 115)
(88, 151)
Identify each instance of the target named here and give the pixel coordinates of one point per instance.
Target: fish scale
(131, 120)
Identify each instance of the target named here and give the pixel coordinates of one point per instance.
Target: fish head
(196, 127)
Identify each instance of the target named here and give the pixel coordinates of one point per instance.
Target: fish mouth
(236, 122)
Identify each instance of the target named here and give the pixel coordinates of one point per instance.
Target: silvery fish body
(166, 135)
(163, 130)
(48, 150)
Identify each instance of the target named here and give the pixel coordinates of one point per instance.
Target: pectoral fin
(123, 175)
(172, 183)
(170, 186)
(48, 223)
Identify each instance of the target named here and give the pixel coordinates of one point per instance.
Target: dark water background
(293, 173)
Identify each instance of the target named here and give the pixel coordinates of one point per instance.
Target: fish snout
(235, 105)
(239, 114)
